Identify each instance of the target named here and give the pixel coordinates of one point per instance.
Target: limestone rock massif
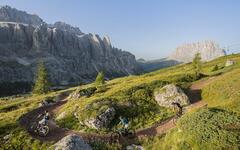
(70, 56)
(209, 50)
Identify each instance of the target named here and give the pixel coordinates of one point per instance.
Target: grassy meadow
(132, 97)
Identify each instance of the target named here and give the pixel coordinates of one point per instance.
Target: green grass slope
(132, 97)
(217, 127)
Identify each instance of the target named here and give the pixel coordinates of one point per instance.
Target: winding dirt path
(56, 133)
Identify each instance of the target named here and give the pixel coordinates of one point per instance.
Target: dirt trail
(56, 133)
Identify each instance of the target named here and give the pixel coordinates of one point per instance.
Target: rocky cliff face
(209, 50)
(9, 14)
(70, 55)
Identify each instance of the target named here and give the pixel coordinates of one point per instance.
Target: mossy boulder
(71, 142)
(103, 120)
(82, 92)
(170, 93)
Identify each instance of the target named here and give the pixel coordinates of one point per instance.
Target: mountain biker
(124, 122)
(178, 108)
(44, 119)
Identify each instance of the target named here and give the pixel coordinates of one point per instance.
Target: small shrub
(215, 68)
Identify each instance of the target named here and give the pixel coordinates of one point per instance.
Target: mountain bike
(41, 130)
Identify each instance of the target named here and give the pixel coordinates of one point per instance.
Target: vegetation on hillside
(132, 97)
(217, 127)
(204, 129)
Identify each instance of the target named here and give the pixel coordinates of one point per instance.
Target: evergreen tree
(197, 64)
(42, 85)
(215, 68)
(100, 79)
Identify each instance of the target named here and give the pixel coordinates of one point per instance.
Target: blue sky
(149, 29)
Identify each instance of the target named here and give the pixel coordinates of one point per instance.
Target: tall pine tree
(100, 79)
(197, 64)
(42, 85)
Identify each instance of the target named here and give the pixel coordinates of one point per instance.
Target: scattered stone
(82, 92)
(169, 94)
(46, 102)
(61, 116)
(103, 120)
(134, 147)
(71, 142)
(229, 63)
(7, 137)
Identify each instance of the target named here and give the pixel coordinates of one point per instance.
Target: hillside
(132, 97)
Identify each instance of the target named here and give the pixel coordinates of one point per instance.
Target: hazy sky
(148, 28)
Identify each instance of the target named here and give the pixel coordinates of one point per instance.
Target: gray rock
(71, 142)
(229, 63)
(7, 137)
(134, 147)
(61, 116)
(103, 120)
(82, 92)
(70, 56)
(169, 94)
(209, 50)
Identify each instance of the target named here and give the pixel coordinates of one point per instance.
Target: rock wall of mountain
(70, 56)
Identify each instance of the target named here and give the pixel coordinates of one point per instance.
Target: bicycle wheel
(115, 137)
(175, 119)
(131, 134)
(43, 131)
(33, 127)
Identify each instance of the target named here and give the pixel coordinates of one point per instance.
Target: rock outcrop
(71, 142)
(103, 120)
(170, 93)
(229, 63)
(209, 50)
(134, 147)
(70, 56)
(82, 92)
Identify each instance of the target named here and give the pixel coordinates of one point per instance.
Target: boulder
(71, 142)
(169, 94)
(134, 147)
(82, 92)
(102, 120)
(61, 116)
(46, 102)
(229, 63)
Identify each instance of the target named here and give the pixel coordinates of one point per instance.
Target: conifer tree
(197, 64)
(42, 84)
(100, 79)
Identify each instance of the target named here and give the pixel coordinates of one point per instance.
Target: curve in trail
(56, 133)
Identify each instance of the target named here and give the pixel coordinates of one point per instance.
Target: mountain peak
(9, 14)
(67, 27)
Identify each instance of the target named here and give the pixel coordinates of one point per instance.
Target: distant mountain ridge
(209, 50)
(70, 55)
